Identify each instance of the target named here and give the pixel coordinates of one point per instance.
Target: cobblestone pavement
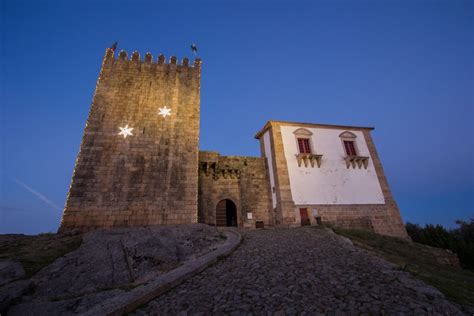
(300, 271)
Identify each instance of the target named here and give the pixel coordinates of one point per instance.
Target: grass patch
(457, 284)
(36, 252)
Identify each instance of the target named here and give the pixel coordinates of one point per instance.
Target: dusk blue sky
(404, 67)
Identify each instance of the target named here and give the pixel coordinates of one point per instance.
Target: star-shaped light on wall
(125, 131)
(164, 112)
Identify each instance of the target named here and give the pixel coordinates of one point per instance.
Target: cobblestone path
(303, 271)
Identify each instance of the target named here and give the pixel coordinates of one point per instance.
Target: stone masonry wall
(372, 217)
(147, 178)
(391, 222)
(243, 180)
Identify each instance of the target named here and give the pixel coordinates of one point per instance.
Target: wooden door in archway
(226, 213)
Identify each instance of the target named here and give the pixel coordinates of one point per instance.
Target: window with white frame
(306, 155)
(349, 142)
(303, 140)
(304, 146)
(353, 158)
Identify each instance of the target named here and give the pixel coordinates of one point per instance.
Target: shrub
(460, 240)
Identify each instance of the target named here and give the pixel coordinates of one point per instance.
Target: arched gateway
(226, 213)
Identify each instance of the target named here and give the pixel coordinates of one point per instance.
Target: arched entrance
(226, 213)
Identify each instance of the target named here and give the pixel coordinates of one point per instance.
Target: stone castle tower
(138, 161)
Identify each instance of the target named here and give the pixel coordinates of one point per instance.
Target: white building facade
(328, 174)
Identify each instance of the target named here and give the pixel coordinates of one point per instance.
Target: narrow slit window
(303, 145)
(350, 148)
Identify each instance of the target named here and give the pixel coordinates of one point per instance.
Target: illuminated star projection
(164, 112)
(125, 131)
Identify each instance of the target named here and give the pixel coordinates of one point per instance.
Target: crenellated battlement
(148, 59)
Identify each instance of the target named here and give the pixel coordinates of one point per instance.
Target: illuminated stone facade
(147, 175)
(242, 180)
(139, 163)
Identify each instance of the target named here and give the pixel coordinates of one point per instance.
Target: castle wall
(139, 162)
(151, 176)
(243, 180)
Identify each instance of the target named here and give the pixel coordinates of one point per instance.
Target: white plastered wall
(332, 183)
(268, 155)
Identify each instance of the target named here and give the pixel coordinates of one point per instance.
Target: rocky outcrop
(110, 262)
(10, 270)
(11, 287)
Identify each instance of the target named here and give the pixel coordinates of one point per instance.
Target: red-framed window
(350, 148)
(303, 145)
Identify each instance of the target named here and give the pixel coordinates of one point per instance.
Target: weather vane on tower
(194, 49)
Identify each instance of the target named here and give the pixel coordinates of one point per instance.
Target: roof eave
(272, 122)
